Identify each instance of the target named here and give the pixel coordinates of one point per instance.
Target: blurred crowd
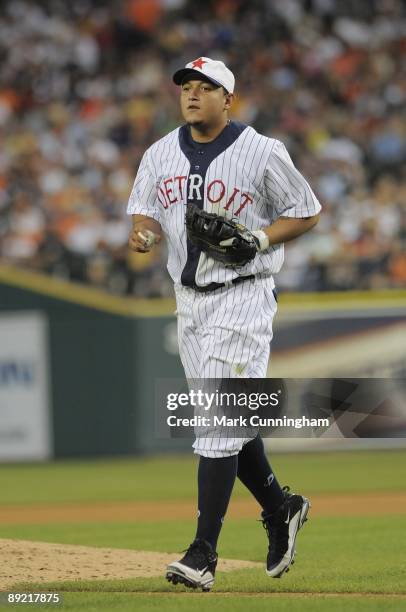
(85, 87)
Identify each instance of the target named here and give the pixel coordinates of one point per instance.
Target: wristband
(261, 239)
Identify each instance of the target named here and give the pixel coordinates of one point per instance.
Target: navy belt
(214, 286)
(235, 281)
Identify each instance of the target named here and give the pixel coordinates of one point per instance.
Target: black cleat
(196, 568)
(281, 527)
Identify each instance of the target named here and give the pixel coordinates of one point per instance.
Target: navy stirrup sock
(215, 479)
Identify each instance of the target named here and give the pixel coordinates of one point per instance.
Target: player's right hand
(142, 239)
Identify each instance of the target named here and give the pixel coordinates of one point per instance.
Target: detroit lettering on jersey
(241, 174)
(173, 192)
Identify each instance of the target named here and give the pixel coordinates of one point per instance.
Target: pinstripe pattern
(256, 166)
(225, 333)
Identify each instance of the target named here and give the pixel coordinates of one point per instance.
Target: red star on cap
(199, 63)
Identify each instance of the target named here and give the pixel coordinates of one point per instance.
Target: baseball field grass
(351, 553)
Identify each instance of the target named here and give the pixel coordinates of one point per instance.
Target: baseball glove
(222, 239)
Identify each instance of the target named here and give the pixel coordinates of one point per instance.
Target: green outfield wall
(104, 355)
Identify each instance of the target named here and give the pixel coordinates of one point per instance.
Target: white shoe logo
(287, 520)
(269, 480)
(201, 572)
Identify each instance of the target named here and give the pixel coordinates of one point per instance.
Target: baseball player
(212, 165)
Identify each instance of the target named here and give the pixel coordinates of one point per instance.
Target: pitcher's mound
(26, 561)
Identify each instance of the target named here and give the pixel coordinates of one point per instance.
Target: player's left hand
(224, 240)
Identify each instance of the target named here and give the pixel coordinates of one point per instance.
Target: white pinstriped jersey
(241, 175)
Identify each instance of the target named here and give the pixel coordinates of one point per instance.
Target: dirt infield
(22, 560)
(322, 505)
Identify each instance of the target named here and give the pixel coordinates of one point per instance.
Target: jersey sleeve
(289, 192)
(143, 198)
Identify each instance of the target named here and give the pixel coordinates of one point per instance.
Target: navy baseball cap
(212, 70)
